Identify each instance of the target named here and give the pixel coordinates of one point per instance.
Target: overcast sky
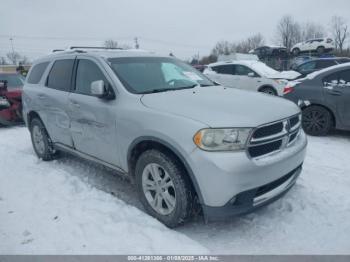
(184, 27)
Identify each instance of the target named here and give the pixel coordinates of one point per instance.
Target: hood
(217, 106)
(288, 75)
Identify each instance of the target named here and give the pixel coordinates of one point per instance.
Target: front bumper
(225, 176)
(252, 199)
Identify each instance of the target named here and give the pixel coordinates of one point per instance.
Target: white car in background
(319, 45)
(250, 75)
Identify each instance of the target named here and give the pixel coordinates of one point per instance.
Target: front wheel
(164, 188)
(296, 51)
(41, 141)
(320, 50)
(317, 121)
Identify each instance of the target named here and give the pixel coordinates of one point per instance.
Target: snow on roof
(315, 74)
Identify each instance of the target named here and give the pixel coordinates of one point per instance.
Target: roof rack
(95, 47)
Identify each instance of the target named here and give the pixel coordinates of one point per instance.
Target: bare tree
(250, 43)
(3, 61)
(339, 31)
(13, 57)
(110, 43)
(311, 30)
(223, 48)
(288, 31)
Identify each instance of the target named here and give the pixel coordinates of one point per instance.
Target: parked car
(200, 68)
(318, 64)
(319, 45)
(182, 139)
(325, 99)
(270, 51)
(249, 75)
(10, 98)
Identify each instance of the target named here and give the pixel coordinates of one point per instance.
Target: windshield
(141, 75)
(13, 80)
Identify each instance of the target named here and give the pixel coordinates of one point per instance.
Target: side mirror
(251, 74)
(99, 89)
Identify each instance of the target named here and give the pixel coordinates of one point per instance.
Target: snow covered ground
(74, 207)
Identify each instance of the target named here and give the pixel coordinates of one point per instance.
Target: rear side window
(60, 75)
(87, 73)
(37, 72)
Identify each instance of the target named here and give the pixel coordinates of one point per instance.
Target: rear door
(54, 101)
(93, 120)
(337, 90)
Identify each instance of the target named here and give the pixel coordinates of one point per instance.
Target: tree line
(288, 32)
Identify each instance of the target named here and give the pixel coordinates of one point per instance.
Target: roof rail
(95, 47)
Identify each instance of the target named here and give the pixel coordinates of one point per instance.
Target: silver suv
(185, 142)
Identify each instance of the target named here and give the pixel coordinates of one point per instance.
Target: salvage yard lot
(71, 206)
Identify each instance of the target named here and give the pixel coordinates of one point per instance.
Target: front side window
(325, 63)
(341, 78)
(243, 70)
(224, 69)
(60, 75)
(87, 72)
(156, 74)
(37, 72)
(307, 67)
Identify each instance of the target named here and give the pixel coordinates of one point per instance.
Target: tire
(320, 50)
(41, 141)
(296, 51)
(175, 198)
(317, 121)
(268, 90)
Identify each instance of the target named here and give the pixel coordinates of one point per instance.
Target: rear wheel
(164, 188)
(317, 121)
(41, 141)
(268, 90)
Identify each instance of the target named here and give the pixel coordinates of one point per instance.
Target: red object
(11, 113)
(287, 90)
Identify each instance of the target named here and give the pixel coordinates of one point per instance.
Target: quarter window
(87, 72)
(60, 75)
(37, 72)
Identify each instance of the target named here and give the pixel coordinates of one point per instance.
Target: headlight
(4, 102)
(222, 139)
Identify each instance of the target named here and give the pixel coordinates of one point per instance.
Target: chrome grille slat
(273, 141)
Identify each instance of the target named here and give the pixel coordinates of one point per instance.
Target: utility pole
(136, 43)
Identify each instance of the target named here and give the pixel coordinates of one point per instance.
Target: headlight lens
(222, 139)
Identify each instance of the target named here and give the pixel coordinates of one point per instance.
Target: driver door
(248, 79)
(93, 120)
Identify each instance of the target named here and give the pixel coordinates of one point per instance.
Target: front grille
(274, 137)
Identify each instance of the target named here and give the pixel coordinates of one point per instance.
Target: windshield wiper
(159, 90)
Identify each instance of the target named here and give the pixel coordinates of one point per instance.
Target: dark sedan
(324, 97)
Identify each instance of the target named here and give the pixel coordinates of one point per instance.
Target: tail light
(288, 89)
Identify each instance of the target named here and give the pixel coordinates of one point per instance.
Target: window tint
(338, 78)
(60, 75)
(36, 73)
(224, 69)
(325, 63)
(243, 70)
(87, 72)
(307, 67)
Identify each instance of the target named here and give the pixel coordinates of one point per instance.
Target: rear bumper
(252, 199)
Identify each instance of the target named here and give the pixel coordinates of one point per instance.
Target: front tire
(317, 121)
(320, 50)
(296, 51)
(41, 141)
(164, 188)
(268, 90)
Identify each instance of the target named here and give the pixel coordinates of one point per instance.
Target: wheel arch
(267, 86)
(31, 115)
(325, 107)
(141, 144)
